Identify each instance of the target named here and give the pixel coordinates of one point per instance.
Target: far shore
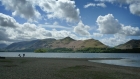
(63, 68)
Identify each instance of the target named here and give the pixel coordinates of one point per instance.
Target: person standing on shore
(23, 55)
(19, 55)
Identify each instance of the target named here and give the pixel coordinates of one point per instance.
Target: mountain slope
(52, 44)
(93, 43)
(30, 44)
(20, 45)
(77, 44)
(129, 45)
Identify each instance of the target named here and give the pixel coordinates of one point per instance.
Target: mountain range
(68, 43)
(53, 43)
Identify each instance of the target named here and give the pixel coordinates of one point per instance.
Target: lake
(128, 59)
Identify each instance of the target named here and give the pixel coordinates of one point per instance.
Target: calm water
(129, 59)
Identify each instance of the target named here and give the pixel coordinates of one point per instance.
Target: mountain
(53, 44)
(3, 45)
(129, 45)
(76, 44)
(35, 44)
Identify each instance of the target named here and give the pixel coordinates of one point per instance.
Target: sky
(112, 22)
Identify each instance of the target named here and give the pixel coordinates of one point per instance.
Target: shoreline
(66, 58)
(63, 68)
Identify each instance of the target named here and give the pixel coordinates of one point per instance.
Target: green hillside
(129, 45)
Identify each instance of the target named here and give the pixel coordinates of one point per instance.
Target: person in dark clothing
(23, 55)
(19, 55)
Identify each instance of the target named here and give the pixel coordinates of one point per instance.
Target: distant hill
(53, 44)
(77, 44)
(3, 45)
(129, 45)
(25, 45)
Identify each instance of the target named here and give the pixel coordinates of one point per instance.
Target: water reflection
(122, 62)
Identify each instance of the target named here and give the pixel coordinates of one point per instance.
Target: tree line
(89, 50)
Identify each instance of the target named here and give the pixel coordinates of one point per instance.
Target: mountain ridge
(131, 44)
(66, 42)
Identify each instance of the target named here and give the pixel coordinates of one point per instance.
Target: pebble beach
(63, 68)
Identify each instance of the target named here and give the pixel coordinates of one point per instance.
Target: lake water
(129, 59)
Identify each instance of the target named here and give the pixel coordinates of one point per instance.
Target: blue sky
(112, 22)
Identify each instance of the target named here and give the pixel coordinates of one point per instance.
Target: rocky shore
(63, 68)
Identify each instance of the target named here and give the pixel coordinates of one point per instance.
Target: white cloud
(94, 5)
(101, 5)
(117, 39)
(89, 5)
(23, 8)
(82, 29)
(54, 26)
(134, 5)
(135, 8)
(20, 32)
(97, 35)
(28, 31)
(55, 23)
(60, 34)
(61, 9)
(109, 25)
(3, 35)
(130, 31)
(120, 1)
(7, 21)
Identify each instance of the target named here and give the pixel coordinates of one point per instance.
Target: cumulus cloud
(109, 25)
(20, 32)
(130, 31)
(97, 35)
(61, 9)
(29, 31)
(23, 8)
(24, 32)
(3, 35)
(135, 8)
(82, 29)
(94, 5)
(117, 39)
(55, 25)
(120, 1)
(60, 34)
(7, 21)
(134, 5)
